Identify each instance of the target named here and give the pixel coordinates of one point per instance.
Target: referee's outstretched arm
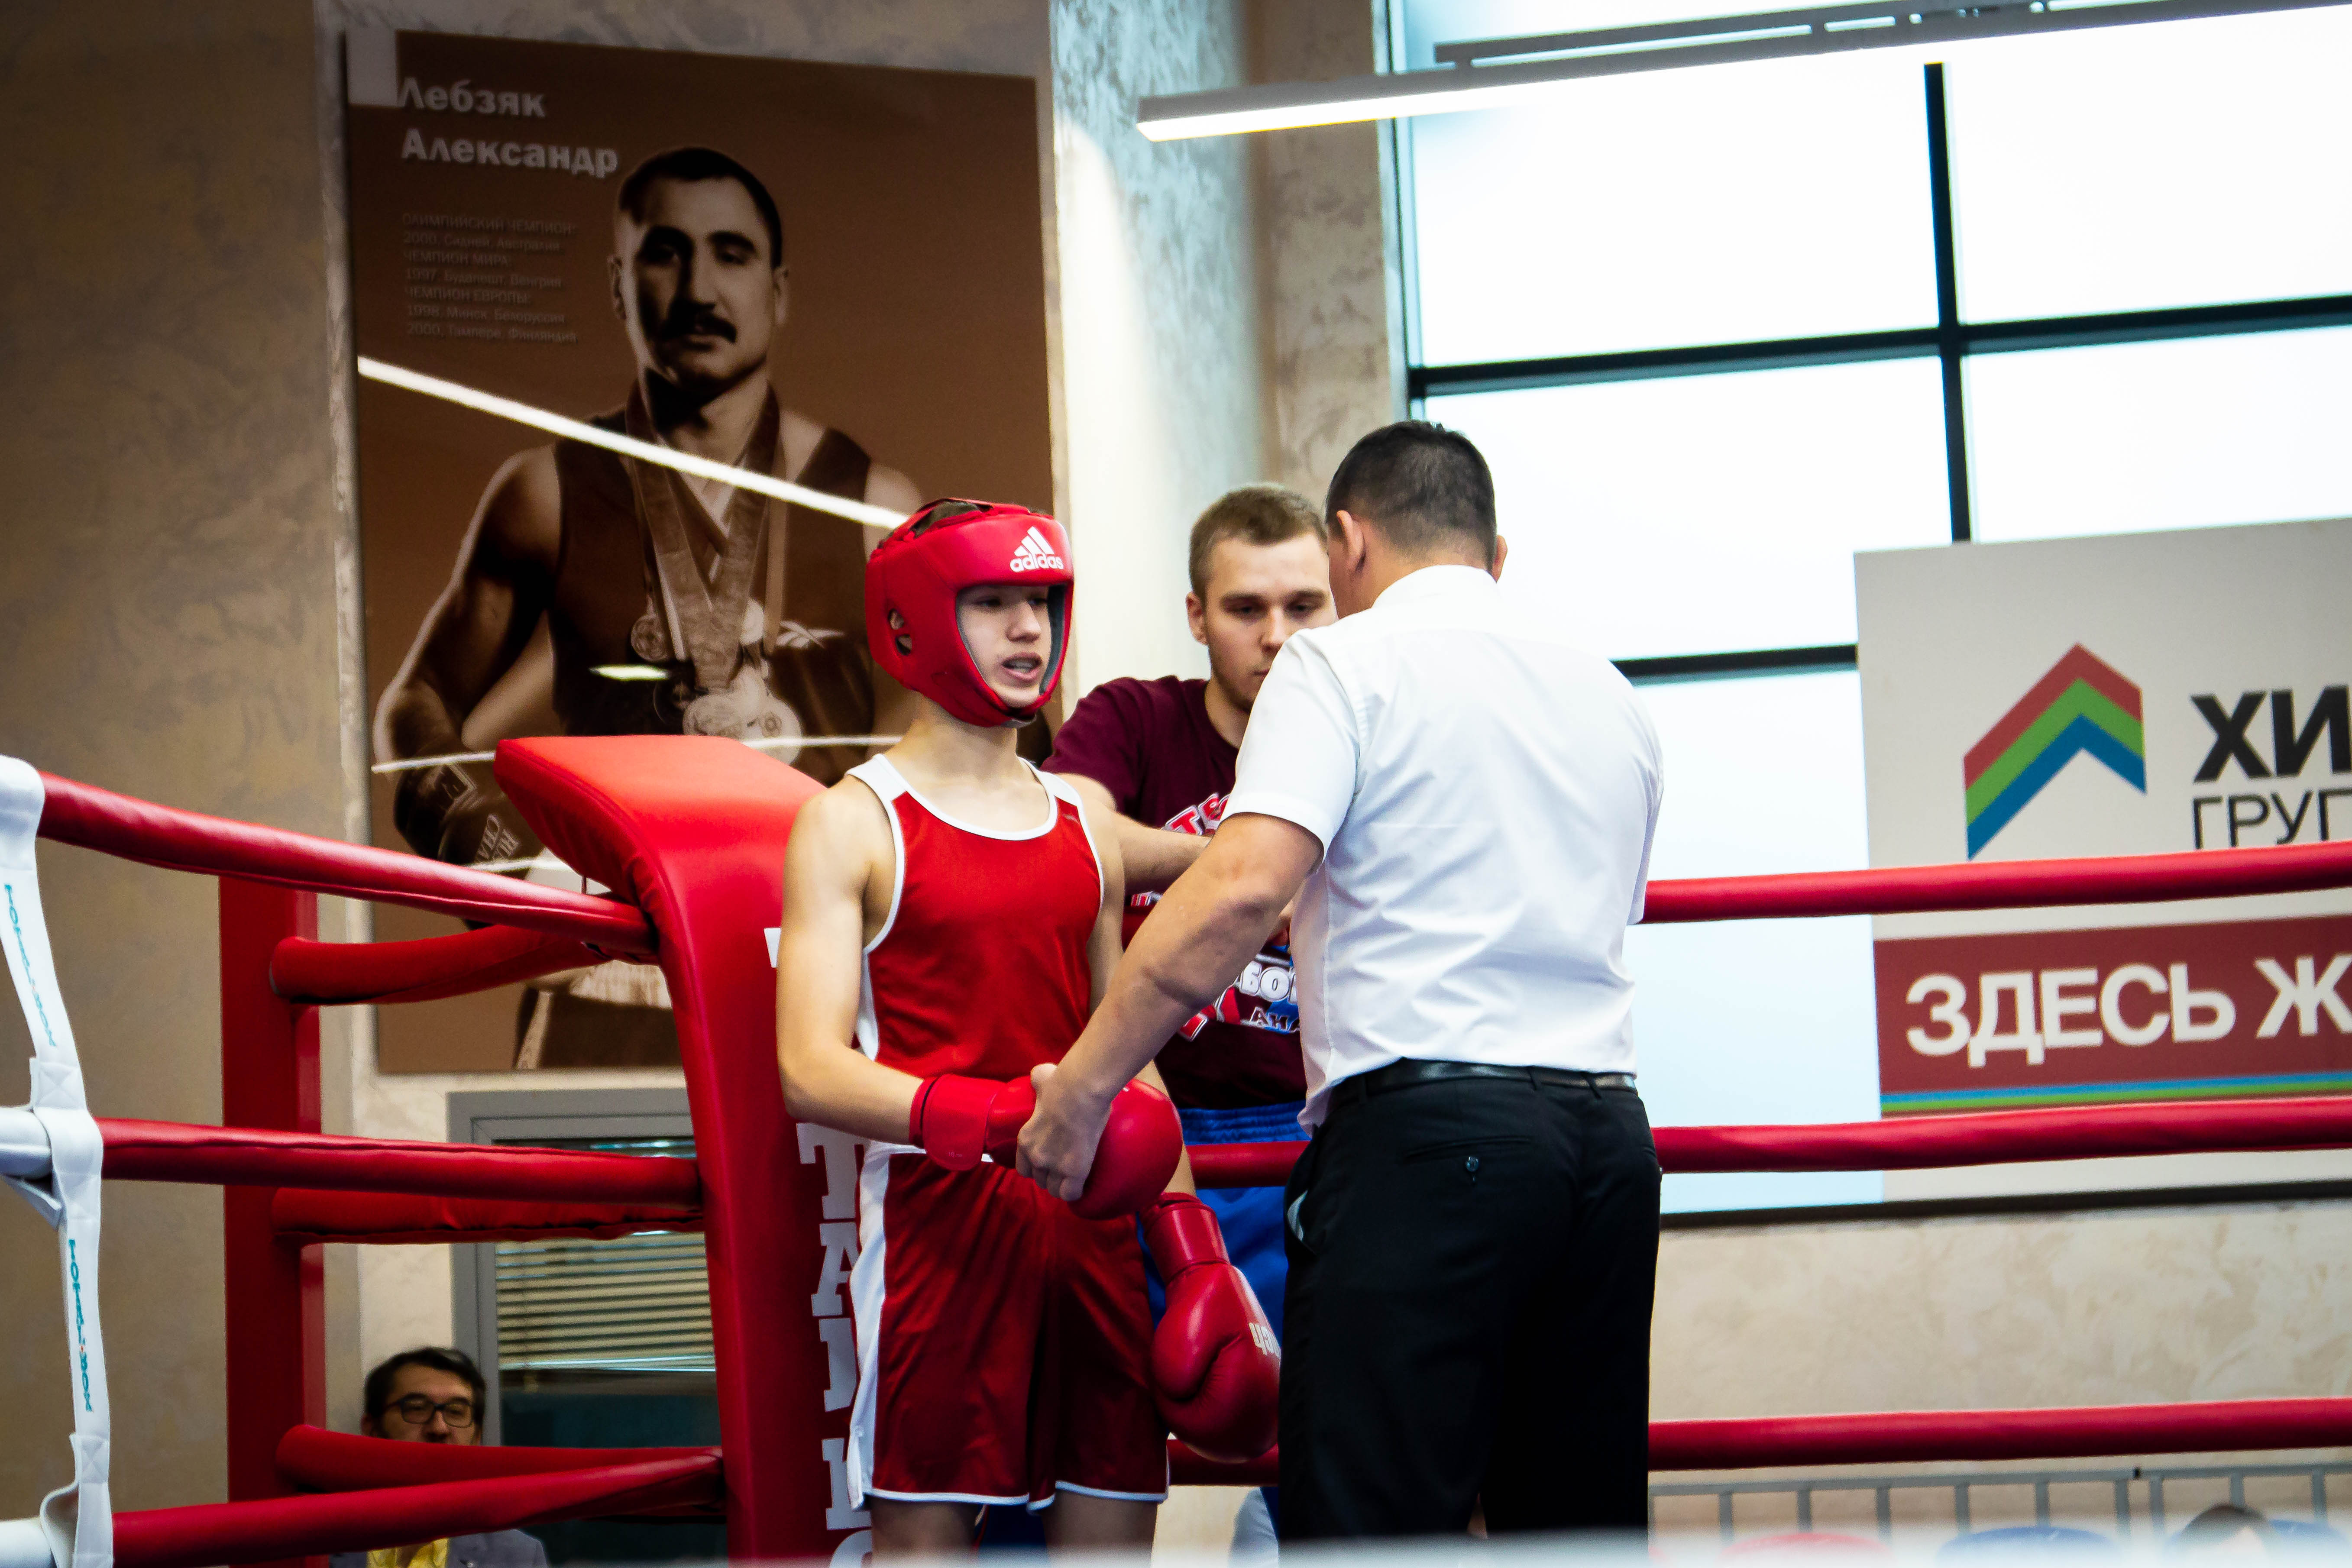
(1204, 932)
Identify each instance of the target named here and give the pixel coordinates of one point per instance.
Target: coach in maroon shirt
(1161, 754)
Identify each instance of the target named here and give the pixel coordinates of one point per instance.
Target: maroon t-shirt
(1151, 745)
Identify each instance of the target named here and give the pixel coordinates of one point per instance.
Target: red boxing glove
(1216, 1370)
(1142, 1141)
(958, 1119)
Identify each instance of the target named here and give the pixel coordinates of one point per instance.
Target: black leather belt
(1409, 1074)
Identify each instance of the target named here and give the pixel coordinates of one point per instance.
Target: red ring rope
(319, 1460)
(1914, 1437)
(98, 819)
(303, 1216)
(175, 1151)
(273, 1528)
(1926, 1142)
(328, 974)
(190, 841)
(1913, 1142)
(1903, 1144)
(2000, 1137)
(1889, 1436)
(2003, 885)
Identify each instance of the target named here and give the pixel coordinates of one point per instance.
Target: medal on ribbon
(703, 616)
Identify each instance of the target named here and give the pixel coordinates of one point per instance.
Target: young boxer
(951, 917)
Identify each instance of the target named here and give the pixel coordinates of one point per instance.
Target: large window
(1719, 329)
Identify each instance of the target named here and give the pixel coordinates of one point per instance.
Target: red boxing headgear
(911, 582)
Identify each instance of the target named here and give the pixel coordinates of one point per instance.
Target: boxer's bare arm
(1105, 944)
(483, 620)
(838, 872)
(1154, 857)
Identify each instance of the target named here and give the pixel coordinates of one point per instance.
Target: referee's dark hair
(1425, 487)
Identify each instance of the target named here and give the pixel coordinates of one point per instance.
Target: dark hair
(1254, 514)
(378, 1392)
(687, 165)
(1423, 486)
(941, 512)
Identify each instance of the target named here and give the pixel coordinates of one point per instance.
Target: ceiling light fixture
(1495, 73)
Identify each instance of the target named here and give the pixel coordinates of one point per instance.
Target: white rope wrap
(76, 1525)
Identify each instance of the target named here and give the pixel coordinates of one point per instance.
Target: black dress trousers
(1472, 1267)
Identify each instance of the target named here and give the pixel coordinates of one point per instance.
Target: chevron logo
(1035, 554)
(2081, 705)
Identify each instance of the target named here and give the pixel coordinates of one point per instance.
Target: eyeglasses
(418, 1411)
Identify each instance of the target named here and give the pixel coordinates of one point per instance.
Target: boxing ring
(690, 835)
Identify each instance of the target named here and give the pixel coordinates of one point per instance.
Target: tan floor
(1197, 1519)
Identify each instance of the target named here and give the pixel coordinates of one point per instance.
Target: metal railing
(2152, 1481)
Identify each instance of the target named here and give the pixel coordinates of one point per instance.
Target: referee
(1461, 801)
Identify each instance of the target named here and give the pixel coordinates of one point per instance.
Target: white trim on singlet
(885, 782)
(888, 783)
(1062, 789)
(880, 769)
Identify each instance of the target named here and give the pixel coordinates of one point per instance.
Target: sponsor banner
(2120, 695)
(2075, 1018)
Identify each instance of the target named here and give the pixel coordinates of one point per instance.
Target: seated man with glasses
(435, 1395)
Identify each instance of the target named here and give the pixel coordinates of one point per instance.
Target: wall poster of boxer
(832, 274)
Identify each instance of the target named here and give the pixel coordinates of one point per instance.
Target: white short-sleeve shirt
(1485, 792)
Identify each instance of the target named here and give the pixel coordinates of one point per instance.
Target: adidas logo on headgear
(1035, 554)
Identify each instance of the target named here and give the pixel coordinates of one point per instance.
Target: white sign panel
(2120, 695)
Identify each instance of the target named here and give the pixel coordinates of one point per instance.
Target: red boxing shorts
(1002, 1343)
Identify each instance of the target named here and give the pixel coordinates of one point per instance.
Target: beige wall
(1328, 248)
(2115, 1307)
(1161, 339)
(167, 591)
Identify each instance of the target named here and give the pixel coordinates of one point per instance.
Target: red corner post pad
(692, 830)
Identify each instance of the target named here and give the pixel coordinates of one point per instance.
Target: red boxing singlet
(981, 967)
(1002, 1340)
